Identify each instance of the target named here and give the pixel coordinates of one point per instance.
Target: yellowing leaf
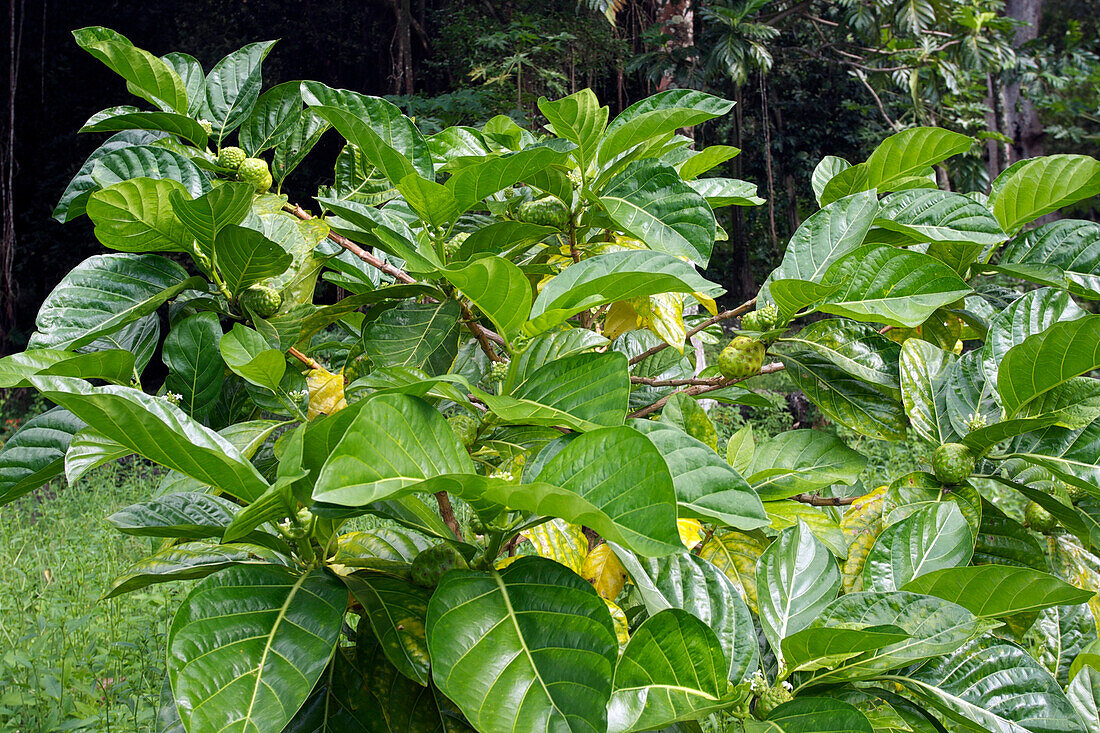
(618, 617)
(663, 314)
(735, 553)
(861, 524)
(604, 571)
(505, 560)
(691, 532)
(621, 317)
(561, 542)
(1078, 566)
(326, 392)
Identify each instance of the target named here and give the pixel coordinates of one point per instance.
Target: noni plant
(479, 493)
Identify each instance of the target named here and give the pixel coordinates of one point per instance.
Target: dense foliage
(509, 390)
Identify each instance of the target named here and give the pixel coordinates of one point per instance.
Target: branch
(355, 249)
(448, 513)
(699, 389)
(815, 500)
(654, 382)
(724, 315)
(480, 333)
(307, 360)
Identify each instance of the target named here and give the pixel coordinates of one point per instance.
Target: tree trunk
(1023, 124)
(402, 62)
(744, 282)
(677, 20)
(7, 178)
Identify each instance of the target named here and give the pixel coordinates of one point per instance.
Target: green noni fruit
(742, 358)
(254, 171)
(952, 463)
(465, 427)
(231, 158)
(772, 698)
(453, 245)
(431, 564)
(547, 212)
(263, 300)
(1039, 519)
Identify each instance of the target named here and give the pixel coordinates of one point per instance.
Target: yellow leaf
(621, 317)
(691, 532)
(561, 542)
(604, 571)
(326, 392)
(1078, 566)
(735, 553)
(505, 561)
(618, 617)
(861, 524)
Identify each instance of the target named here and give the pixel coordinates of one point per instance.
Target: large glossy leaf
(207, 215)
(498, 288)
(720, 192)
(1071, 454)
(113, 365)
(609, 277)
(1047, 359)
(855, 348)
(798, 461)
(996, 591)
(735, 553)
(825, 237)
(532, 647)
(293, 149)
(395, 610)
(1064, 633)
(232, 88)
(1030, 314)
(1004, 541)
(147, 76)
(590, 386)
(932, 215)
(137, 216)
(935, 627)
(249, 643)
(578, 118)
(157, 430)
(671, 669)
(1084, 696)
(813, 648)
(650, 201)
(660, 114)
(188, 515)
(472, 183)
(148, 161)
(1062, 254)
(116, 119)
(392, 443)
(1031, 188)
(273, 118)
(105, 293)
(931, 538)
(71, 204)
(706, 486)
(993, 685)
(194, 79)
(814, 715)
(250, 357)
(245, 256)
(924, 370)
(35, 453)
(189, 561)
(699, 587)
(416, 335)
(796, 578)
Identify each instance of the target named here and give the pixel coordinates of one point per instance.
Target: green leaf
(1030, 314)
(814, 715)
(691, 583)
(549, 347)
(706, 159)
(1061, 254)
(1031, 188)
(578, 118)
(720, 192)
(117, 119)
(250, 357)
(996, 591)
(650, 201)
(796, 578)
(421, 335)
(826, 237)
(660, 114)
(812, 649)
(993, 685)
(1004, 541)
(498, 288)
(194, 80)
(245, 256)
(207, 215)
(741, 448)
(609, 277)
(188, 561)
(396, 609)
(147, 76)
(113, 365)
(706, 486)
(1084, 696)
(671, 669)
(71, 204)
(1071, 454)
(1066, 634)
(924, 371)
(103, 294)
(293, 149)
(551, 633)
(931, 538)
(155, 429)
(473, 183)
(800, 461)
(827, 168)
(590, 386)
(147, 161)
(931, 215)
(394, 442)
(1047, 359)
(252, 669)
(935, 628)
(35, 453)
(232, 88)
(187, 515)
(273, 119)
(137, 216)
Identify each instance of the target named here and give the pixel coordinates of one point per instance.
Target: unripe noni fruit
(1076, 493)
(768, 316)
(751, 322)
(772, 698)
(254, 171)
(498, 371)
(231, 158)
(262, 300)
(430, 565)
(547, 212)
(465, 427)
(952, 463)
(1039, 519)
(453, 245)
(742, 358)
(207, 126)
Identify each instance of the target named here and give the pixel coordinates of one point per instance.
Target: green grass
(68, 661)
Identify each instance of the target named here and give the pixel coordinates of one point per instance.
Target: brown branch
(480, 333)
(307, 360)
(815, 500)
(355, 249)
(654, 382)
(724, 315)
(703, 389)
(448, 513)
